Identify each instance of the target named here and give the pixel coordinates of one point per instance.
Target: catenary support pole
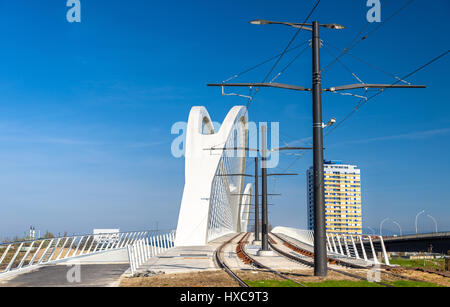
(320, 249)
(257, 236)
(265, 241)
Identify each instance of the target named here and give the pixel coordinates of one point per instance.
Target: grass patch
(339, 284)
(418, 263)
(342, 284)
(414, 284)
(271, 283)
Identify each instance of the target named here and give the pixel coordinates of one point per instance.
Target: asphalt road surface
(86, 275)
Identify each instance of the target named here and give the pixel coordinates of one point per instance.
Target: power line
(361, 103)
(355, 42)
(285, 49)
(368, 64)
(264, 62)
(252, 95)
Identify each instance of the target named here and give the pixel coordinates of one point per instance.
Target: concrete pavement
(85, 275)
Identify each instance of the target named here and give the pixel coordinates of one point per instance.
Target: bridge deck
(185, 259)
(310, 248)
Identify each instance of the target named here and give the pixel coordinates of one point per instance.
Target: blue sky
(86, 109)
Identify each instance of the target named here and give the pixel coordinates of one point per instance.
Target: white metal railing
(357, 246)
(143, 249)
(361, 247)
(16, 256)
(305, 236)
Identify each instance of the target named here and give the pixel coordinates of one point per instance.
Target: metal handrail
(78, 235)
(15, 256)
(142, 250)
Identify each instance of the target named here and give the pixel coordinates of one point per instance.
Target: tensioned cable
(250, 98)
(290, 63)
(369, 64)
(252, 95)
(354, 43)
(284, 51)
(337, 60)
(343, 65)
(264, 62)
(360, 104)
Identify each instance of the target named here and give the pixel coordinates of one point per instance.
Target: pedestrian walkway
(63, 275)
(185, 259)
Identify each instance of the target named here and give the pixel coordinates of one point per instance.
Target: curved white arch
(212, 200)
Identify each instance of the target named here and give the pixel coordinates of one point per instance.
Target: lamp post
(264, 217)
(435, 223)
(256, 200)
(320, 239)
(381, 225)
(417, 216)
(399, 227)
(320, 250)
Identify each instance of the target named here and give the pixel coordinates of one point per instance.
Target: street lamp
(417, 216)
(399, 227)
(304, 26)
(381, 225)
(434, 220)
(320, 239)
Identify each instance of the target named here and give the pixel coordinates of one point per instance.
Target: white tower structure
(214, 202)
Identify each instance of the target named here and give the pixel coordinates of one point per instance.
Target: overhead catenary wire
(290, 63)
(370, 64)
(252, 94)
(360, 104)
(284, 51)
(359, 39)
(352, 73)
(264, 62)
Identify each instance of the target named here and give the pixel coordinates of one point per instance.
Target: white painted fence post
(354, 248)
(386, 258)
(373, 251)
(334, 244)
(340, 246)
(363, 248)
(347, 250)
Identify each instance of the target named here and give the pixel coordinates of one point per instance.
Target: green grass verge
(271, 283)
(337, 284)
(418, 263)
(414, 284)
(342, 284)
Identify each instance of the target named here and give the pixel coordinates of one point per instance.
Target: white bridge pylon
(214, 200)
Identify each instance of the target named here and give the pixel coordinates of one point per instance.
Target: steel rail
(256, 263)
(311, 263)
(221, 263)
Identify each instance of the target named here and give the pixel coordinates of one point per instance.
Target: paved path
(91, 275)
(185, 259)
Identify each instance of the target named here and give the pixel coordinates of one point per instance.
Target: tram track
(310, 263)
(218, 256)
(248, 259)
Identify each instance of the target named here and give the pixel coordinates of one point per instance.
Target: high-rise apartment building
(342, 185)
